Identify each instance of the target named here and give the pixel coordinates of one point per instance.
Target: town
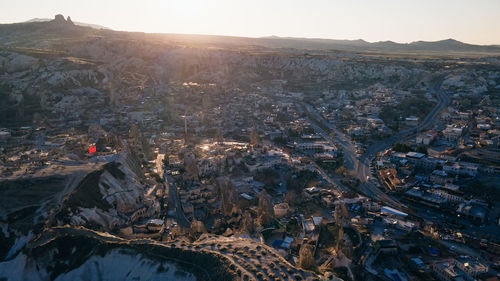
(381, 178)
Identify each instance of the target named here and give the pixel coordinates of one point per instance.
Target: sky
(404, 21)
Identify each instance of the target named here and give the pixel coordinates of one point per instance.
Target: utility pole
(185, 128)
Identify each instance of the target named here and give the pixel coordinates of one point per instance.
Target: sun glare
(185, 9)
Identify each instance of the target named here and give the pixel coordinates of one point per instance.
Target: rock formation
(265, 209)
(247, 225)
(306, 258)
(196, 228)
(101, 200)
(59, 19)
(228, 195)
(191, 167)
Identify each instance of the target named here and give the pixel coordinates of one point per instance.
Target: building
(468, 169)
(471, 266)
(446, 270)
(394, 275)
(390, 178)
(426, 138)
(281, 210)
(414, 157)
(154, 224)
(314, 146)
(453, 188)
(419, 265)
(452, 133)
(308, 226)
(388, 211)
(4, 133)
(386, 246)
(375, 122)
(473, 211)
(357, 131)
(411, 121)
(453, 198)
(440, 177)
(400, 224)
(425, 197)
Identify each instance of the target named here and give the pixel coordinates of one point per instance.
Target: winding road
(360, 166)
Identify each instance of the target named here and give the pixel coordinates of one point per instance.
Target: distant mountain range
(448, 45)
(96, 26)
(41, 28)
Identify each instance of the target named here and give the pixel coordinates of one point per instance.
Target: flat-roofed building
(440, 177)
(471, 266)
(426, 138)
(446, 270)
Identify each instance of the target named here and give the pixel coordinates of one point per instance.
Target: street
(174, 203)
(360, 166)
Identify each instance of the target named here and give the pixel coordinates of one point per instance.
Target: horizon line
(257, 37)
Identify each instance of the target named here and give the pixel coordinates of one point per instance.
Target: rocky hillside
(100, 197)
(75, 253)
(78, 254)
(52, 67)
(106, 198)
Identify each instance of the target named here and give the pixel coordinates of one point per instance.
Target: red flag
(91, 149)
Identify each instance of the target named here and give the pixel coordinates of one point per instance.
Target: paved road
(443, 101)
(363, 169)
(352, 163)
(339, 187)
(332, 181)
(174, 203)
(360, 166)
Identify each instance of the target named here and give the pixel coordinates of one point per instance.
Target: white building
(461, 169)
(452, 133)
(447, 271)
(425, 138)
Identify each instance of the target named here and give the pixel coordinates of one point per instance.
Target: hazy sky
(471, 21)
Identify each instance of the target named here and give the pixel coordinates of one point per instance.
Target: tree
(228, 195)
(290, 197)
(254, 137)
(292, 133)
(218, 135)
(133, 134)
(265, 209)
(280, 140)
(401, 147)
(340, 234)
(191, 167)
(421, 149)
(341, 215)
(341, 170)
(308, 130)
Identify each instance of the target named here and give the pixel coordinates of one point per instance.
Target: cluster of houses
(363, 108)
(432, 181)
